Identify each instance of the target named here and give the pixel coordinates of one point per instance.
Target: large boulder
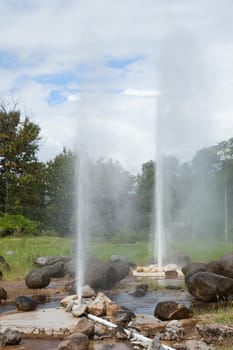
(55, 270)
(36, 279)
(191, 269)
(25, 303)
(3, 294)
(209, 287)
(171, 310)
(104, 275)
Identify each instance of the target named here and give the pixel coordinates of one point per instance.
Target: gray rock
(25, 303)
(37, 279)
(9, 336)
(55, 270)
(79, 310)
(209, 287)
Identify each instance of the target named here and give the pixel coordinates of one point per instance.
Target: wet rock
(140, 290)
(36, 279)
(215, 332)
(208, 287)
(173, 331)
(25, 303)
(197, 345)
(75, 341)
(85, 326)
(171, 310)
(3, 264)
(3, 294)
(79, 310)
(9, 336)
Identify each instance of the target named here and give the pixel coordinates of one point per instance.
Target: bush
(17, 225)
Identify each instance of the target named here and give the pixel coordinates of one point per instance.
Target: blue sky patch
(122, 62)
(56, 79)
(56, 97)
(8, 60)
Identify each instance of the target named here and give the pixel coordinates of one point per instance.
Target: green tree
(19, 143)
(60, 192)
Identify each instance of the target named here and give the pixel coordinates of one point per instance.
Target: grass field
(26, 249)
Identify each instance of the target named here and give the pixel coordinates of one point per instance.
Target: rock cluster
(212, 281)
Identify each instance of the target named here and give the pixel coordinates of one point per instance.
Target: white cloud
(186, 52)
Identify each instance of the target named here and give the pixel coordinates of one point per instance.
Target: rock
(79, 310)
(75, 341)
(171, 310)
(209, 287)
(1, 275)
(85, 326)
(55, 270)
(104, 275)
(215, 332)
(9, 336)
(37, 279)
(193, 268)
(65, 301)
(25, 303)
(102, 331)
(170, 274)
(173, 331)
(3, 294)
(88, 292)
(98, 307)
(148, 325)
(197, 345)
(3, 264)
(123, 316)
(51, 260)
(70, 268)
(156, 344)
(124, 259)
(140, 290)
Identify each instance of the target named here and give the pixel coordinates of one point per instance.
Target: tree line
(197, 195)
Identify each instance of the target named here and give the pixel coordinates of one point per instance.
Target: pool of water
(146, 303)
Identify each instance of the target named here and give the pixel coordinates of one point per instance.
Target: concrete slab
(44, 322)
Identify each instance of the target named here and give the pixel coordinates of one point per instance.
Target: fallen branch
(131, 334)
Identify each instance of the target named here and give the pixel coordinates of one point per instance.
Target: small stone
(139, 269)
(65, 301)
(79, 310)
(98, 306)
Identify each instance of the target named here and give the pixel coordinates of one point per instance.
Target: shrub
(17, 225)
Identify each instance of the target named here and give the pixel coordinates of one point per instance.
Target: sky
(106, 74)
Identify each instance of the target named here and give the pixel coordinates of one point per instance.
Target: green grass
(27, 249)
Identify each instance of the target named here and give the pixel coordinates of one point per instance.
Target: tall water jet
(159, 238)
